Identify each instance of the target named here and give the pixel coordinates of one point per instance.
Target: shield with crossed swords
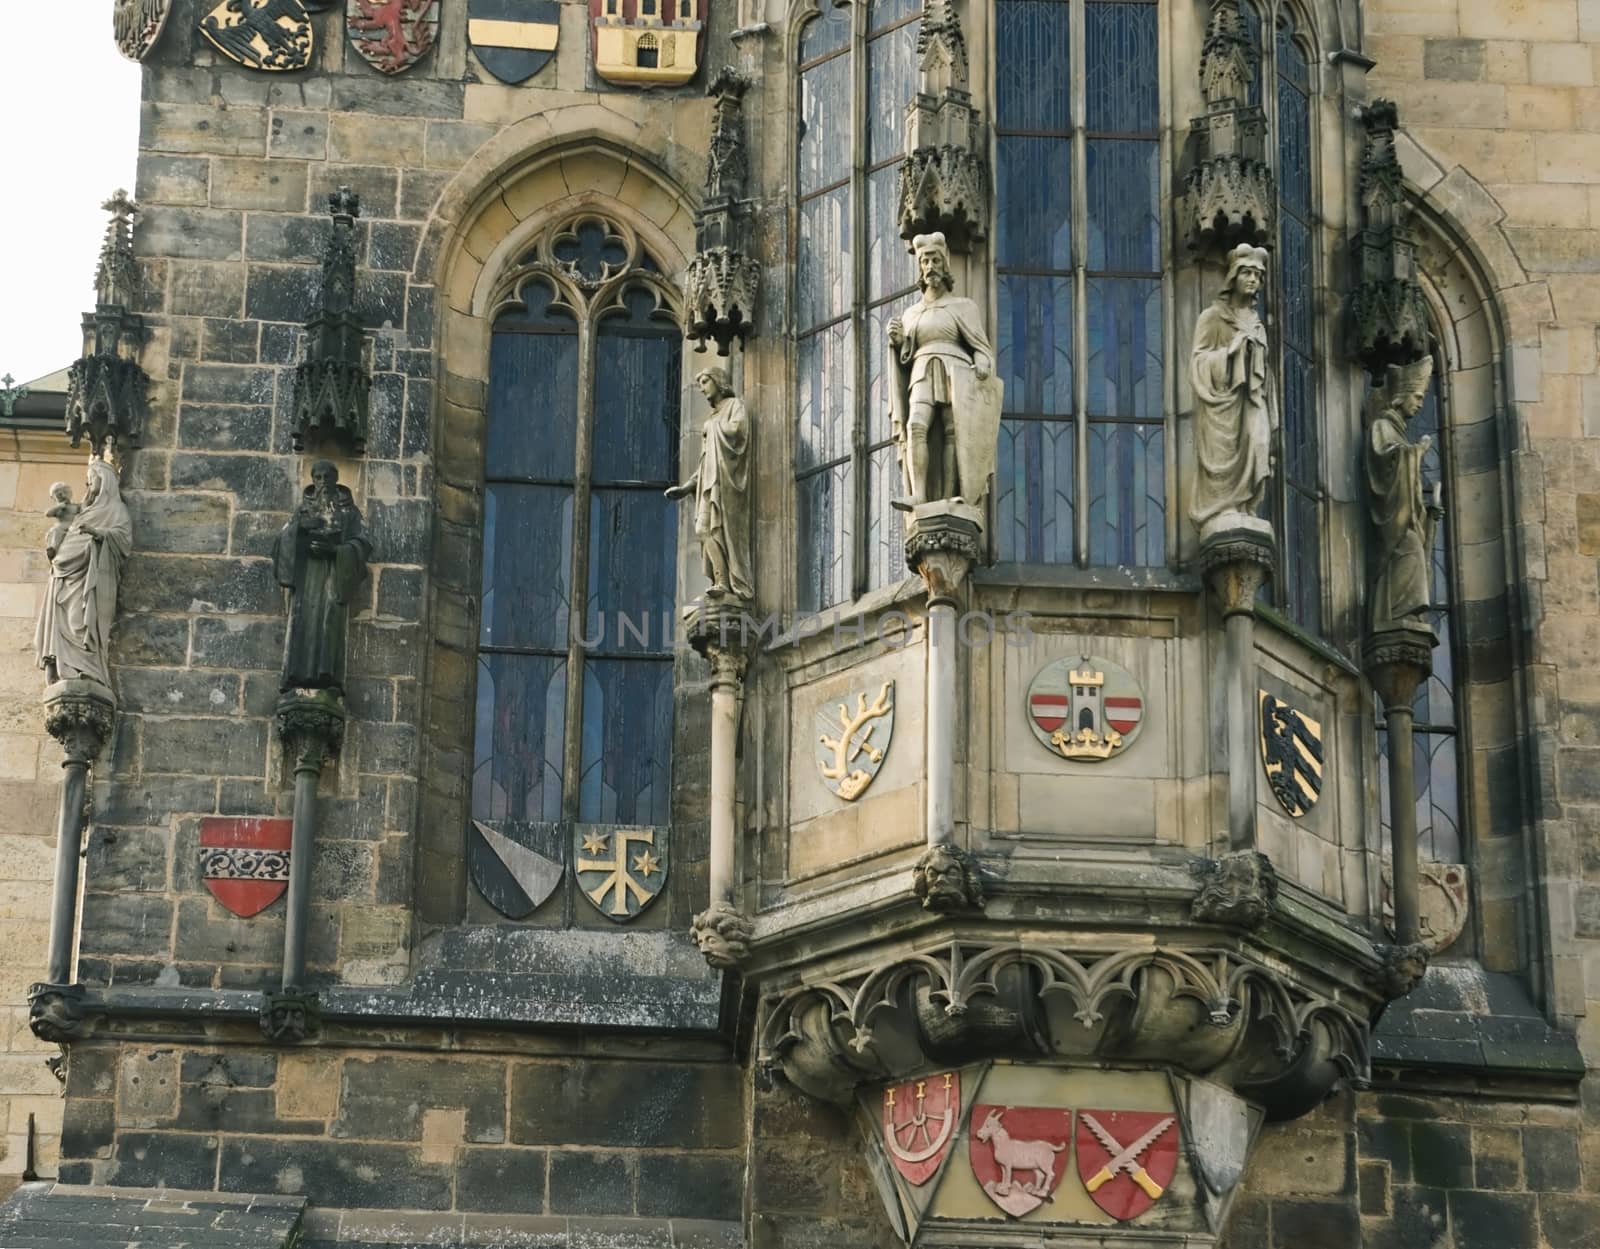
(919, 1124)
(1126, 1158)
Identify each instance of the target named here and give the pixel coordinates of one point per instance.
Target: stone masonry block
(202, 129)
(1454, 60)
(416, 97)
(126, 924)
(586, 1182)
(308, 1085)
(691, 1186)
(231, 427)
(234, 1069)
(1441, 1154)
(368, 139)
(222, 747)
(165, 1160)
(379, 188)
(1492, 1220)
(1550, 1156)
(298, 135)
(173, 180)
(501, 1180)
(202, 289)
(147, 1088)
(627, 1104)
(230, 642)
(285, 239)
(191, 233)
(173, 583)
(1497, 1158)
(335, 1173)
(258, 483)
(383, 1099)
(282, 292)
(180, 523)
(259, 185)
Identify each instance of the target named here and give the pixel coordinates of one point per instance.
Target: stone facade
(572, 1080)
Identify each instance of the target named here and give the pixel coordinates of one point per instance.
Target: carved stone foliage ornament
(332, 385)
(620, 869)
(513, 39)
(516, 864)
(137, 25)
(852, 741)
(1126, 1158)
(1405, 510)
(392, 35)
(1086, 710)
(1442, 902)
(723, 277)
(638, 44)
(1291, 753)
(244, 862)
(919, 1124)
(106, 387)
(1019, 1153)
(273, 35)
(720, 486)
(943, 182)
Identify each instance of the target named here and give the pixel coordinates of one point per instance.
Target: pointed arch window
(1081, 472)
(573, 715)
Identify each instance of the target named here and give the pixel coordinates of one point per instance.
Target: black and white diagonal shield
(516, 864)
(514, 39)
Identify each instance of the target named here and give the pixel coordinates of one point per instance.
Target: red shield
(245, 861)
(1126, 1158)
(919, 1123)
(392, 35)
(1019, 1153)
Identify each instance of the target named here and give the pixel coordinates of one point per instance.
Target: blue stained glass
(1033, 73)
(527, 566)
(626, 775)
(886, 537)
(877, 360)
(533, 396)
(1034, 491)
(1303, 561)
(892, 79)
(828, 32)
(519, 727)
(1292, 63)
(825, 370)
(1035, 347)
(1299, 430)
(1295, 283)
(826, 504)
(637, 393)
(823, 280)
(1123, 74)
(890, 266)
(1127, 494)
(1124, 364)
(1252, 24)
(1294, 144)
(824, 124)
(633, 547)
(1124, 185)
(592, 251)
(1034, 191)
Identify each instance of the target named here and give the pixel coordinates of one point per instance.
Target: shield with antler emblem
(919, 1124)
(392, 35)
(853, 738)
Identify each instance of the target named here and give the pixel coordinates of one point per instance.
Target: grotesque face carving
(945, 882)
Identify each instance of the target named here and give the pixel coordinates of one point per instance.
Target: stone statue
(1403, 512)
(80, 603)
(63, 513)
(721, 488)
(1236, 406)
(944, 400)
(321, 558)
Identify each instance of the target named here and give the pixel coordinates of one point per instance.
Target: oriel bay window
(574, 679)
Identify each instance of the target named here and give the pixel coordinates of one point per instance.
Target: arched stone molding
(516, 186)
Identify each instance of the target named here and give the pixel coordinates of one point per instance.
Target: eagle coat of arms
(272, 35)
(137, 24)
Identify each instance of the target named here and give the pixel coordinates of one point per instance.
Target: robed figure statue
(1236, 405)
(1403, 514)
(321, 559)
(720, 484)
(944, 400)
(73, 639)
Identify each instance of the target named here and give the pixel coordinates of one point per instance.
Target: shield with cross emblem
(620, 868)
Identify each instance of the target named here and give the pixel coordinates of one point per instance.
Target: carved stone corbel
(1388, 310)
(947, 879)
(1230, 197)
(56, 1013)
(723, 278)
(1400, 968)
(1238, 889)
(332, 386)
(943, 179)
(290, 1017)
(107, 388)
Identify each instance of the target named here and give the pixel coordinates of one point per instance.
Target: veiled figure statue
(944, 400)
(320, 557)
(1402, 512)
(1236, 405)
(80, 604)
(720, 484)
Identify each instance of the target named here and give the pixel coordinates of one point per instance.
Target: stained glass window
(574, 693)
(852, 274)
(1081, 471)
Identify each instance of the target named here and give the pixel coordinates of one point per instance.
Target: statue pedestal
(943, 540)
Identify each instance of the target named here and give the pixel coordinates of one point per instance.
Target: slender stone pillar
(717, 631)
(1397, 660)
(79, 715)
(1236, 563)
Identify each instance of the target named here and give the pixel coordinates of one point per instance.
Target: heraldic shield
(273, 35)
(1126, 1158)
(1019, 1153)
(1291, 753)
(853, 740)
(516, 864)
(919, 1124)
(620, 868)
(513, 39)
(392, 35)
(245, 861)
(137, 24)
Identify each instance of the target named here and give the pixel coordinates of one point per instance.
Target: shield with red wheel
(1126, 1158)
(919, 1123)
(244, 861)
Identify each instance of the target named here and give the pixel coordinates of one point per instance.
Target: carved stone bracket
(1236, 563)
(79, 714)
(107, 389)
(1230, 197)
(56, 1012)
(311, 727)
(943, 179)
(1388, 311)
(1239, 889)
(290, 1017)
(943, 540)
(1210, 1011)
(332, 386)
(723, 934)
(1400, 968)
(724, 278)
(946, 879)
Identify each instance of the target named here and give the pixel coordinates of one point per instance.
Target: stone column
(943, 540)
(79, 715)
(311, 728)
(717, 631)
(1237, 562)
(1398, 658)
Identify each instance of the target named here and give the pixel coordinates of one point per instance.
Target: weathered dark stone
(384, 1099)
(388, 748)
(691, 1186)
(258, 482)
(627, 1104)
(1441, 1155)
(500, 1180)
(418, 97)
(229, 427)
(231, 342)
(175, 583)
(378, 188)
(1298, 1223)
(384, 649)
(1550, 1159)
(168, 692)
(1569, 1222)
(589, 1183)
(393, 246)
(221, 1108)
(191, 233)
(165, 1160)
(228, 747)
(339, 1174)
(281, 292)
(126, 924)
(255, 532)
(230, 1069)
(285, 239)
(343, 871)
(230, 642)
(202, 289)
(1492, 1220)
(87, 1127)
(280, 344)
(400, 529)
(156, 641)
(132, 859)
(92, 1073)
(216, 383)
(420, 190)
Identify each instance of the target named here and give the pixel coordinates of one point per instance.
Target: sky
(69, 135)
